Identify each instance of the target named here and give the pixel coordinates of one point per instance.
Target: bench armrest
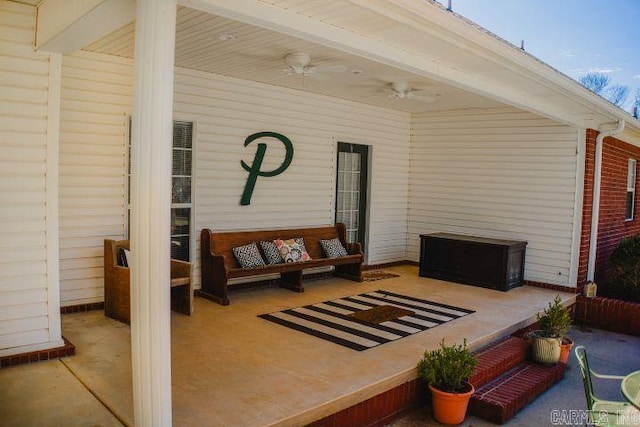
(354, 248)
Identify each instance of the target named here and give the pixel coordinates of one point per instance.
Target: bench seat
(218, 263)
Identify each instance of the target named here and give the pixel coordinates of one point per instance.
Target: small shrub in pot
(447, 370)
(554, 323)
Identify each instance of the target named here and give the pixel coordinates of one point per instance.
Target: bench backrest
(112, 251)
(223, 243)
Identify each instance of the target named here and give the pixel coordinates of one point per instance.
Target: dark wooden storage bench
(218, 263)
(480, 261)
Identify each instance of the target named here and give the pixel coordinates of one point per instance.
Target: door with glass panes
(351, 190)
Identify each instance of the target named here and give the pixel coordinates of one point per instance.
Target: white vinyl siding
(27, 321)
(227, 110)
(96, 99)
(500, 173)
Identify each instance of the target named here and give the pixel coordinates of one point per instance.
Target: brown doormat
(371, 276)
(381, 313)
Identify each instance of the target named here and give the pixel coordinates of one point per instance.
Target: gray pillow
(333, 248)
(271, 253)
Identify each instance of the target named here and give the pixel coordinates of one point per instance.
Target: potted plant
(550, 343)
(446, 370)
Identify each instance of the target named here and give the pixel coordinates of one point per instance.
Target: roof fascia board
(255, 12)
(468, 38)
(64, 29)
(527, 64)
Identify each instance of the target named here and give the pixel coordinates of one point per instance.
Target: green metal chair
(603, 412)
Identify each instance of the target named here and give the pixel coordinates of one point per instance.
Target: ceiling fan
(402, 90)
(299, 63)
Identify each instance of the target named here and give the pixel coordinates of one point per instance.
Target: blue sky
(573, 36)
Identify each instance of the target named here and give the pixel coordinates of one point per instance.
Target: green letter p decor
(254, 169)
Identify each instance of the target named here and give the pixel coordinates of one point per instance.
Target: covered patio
(232, 368)
(466, 134)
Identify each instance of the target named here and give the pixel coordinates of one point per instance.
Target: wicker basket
(545, 350)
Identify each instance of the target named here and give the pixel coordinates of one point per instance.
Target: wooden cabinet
(480, 261)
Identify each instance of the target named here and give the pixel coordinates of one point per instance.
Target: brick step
(498, 358)
(500, 399)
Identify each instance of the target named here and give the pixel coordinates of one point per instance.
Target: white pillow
(292, 250)
(127, 257)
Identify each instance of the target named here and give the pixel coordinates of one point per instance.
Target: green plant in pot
(548, 341)
(446, 370)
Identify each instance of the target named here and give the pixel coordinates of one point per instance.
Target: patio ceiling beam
(65, 26)
(258, 13)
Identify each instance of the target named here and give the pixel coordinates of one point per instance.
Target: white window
(631, 189)
(181, 200)
(181, 189)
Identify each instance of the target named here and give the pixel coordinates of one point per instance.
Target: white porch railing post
(152, 129)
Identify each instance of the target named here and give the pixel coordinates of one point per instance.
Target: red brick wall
(608, 314)
(612, 225)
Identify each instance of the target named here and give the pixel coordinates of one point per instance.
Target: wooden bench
(218, 263)
(117, 288)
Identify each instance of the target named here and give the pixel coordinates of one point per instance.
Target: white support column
(152, 129)
(52, 209)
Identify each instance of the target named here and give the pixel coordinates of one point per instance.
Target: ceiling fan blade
(428, 98)
(317, 76)
(331, 68)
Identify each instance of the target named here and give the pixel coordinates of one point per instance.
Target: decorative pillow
(333, 248)
(122, 257)
(127, 257)
(300, 241)
(292, 250)
(271, 253)
(248, 256)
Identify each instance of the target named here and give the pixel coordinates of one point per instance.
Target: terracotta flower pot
(450, 408)
(565, 350)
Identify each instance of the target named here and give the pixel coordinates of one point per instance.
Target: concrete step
(498, 358)
(499, 400)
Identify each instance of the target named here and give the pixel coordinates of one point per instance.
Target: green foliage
(624, 273)
(448, 367)
(555, 320)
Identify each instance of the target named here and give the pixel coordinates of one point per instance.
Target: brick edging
(68, 349)
(608, 314)
(381, 409)
(82, 307)
(558, 288)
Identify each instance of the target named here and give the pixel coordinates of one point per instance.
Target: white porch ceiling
(418, 41)
(257, 54)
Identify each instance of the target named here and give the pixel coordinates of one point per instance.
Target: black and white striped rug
(331, 320)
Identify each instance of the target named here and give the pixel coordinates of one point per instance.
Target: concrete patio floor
(232, 368)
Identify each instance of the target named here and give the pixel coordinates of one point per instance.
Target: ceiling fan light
(297, 60)
(400, 87)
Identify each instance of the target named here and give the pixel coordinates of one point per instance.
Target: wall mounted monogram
(254, 169)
